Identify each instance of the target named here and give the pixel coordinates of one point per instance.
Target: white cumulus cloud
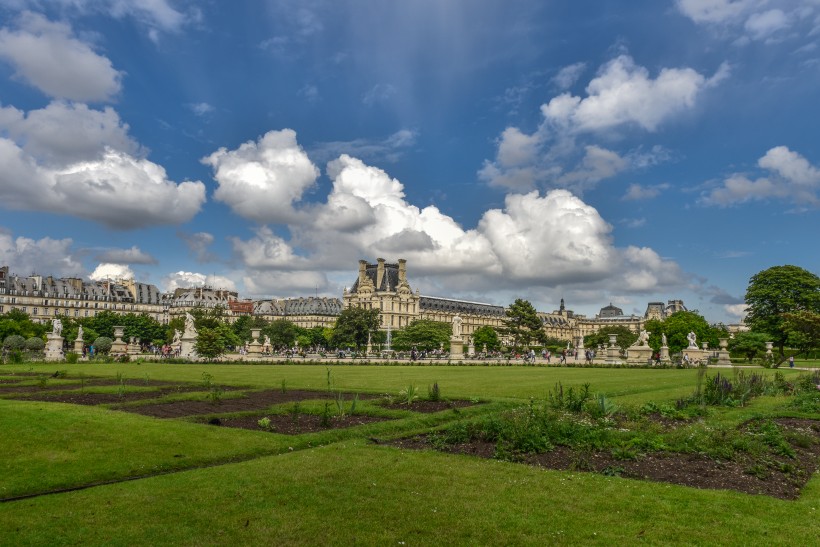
(184, 280)
(105, 271)
(790, 178)
(46, 256)
(48, 56)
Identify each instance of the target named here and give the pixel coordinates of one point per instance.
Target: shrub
(71, 358)
(433, 392)
(103, 344)
(14, 342)
(35, 344)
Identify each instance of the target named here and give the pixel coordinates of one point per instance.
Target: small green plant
(324, 418)
(120, 377)
(408, 394)
(215, 394)
(61, 374)
(264, 423)
(146, 379)
(71, 358)
(284, 386)
(295, 410)
(42, 381)
(207, 380)
(121, 390)
(433, 392)
(82, 383)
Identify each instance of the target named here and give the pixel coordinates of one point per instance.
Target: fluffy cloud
(46, 256)
(117, 190)
(623, 93)
(754, 19)
(637, 192)
(261, 180)
(622, 96)
(737, 310)
(49, 57)
(111, 271)
(126, 256)
(184, 280)
(539, 239)
(568, 75)
(387, 149)
(63, 133)
(198, 244)
(790, 178)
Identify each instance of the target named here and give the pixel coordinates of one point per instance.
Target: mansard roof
(447, 305)
(311, 305)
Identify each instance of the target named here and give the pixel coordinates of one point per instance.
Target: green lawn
(230, 486)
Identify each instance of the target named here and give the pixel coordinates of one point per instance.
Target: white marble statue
(456, 327)
(190, 329)
(80, 333)
(267, 341)
(177, 336)
(663, 340)
(57, 327)
(692, 337)
(643, 338)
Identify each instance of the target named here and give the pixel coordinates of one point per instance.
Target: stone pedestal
(78, 346)
(118, 346)
(54, 347)
(696, 355)
(665, 354)
(471, 348)
(639, 355)
(134, 346)
(613, 352)
(723, 353)
(187, 347)
(255, 348)
(456, 348)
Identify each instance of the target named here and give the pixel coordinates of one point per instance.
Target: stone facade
(304, 312)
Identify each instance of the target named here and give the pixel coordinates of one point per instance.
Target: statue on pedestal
(692, 338)
(190, 329)
(57, 327)
(456, 327)
(80, 333)
(663, 340)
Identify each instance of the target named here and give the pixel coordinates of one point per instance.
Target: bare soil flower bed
(96, 382)
(294, 424)
(255, 400)
(773, 475)
(77, 396)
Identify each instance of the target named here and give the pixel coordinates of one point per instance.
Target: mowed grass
(510, 382)
(351, 493)
(334, 487)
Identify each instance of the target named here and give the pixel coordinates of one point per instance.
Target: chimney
(379, 273)
(362, 271)
(402, 270)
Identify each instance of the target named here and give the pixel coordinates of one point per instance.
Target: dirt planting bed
(255, 400)
(774, 475)
(78, 396)
(294, 424)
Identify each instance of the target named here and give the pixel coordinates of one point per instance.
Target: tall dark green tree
(210, 343)
(749, 344)
(777, 291)
(522, 324)
(677, 326)
(282, 333)
(601, 338)
(803, 330)
(353, 326)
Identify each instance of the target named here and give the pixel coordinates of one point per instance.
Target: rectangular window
(24, 309)
(34, 311)
(1, 309)
(76, 313)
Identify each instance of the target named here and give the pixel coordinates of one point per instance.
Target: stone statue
(663, 340)
(692, 340)
(267, 341)
(643, 339)
(456, 327)
(190, 329)
(177, 336)
(57, 327)
(80, 333)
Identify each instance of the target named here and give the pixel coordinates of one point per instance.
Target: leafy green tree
(423, 334)
(19, 322)
(210, 343)
(282, 333)
(678, 326)
(601, 338)
(486, 336)
(14, 342)
(749, 344)
(777, 291)
(243, 325)
(803, 330)
(523, 324)
(102, 344)
(35, 344)
(103, 323)
(352, 327)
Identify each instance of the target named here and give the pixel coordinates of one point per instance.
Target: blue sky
(596, 151)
